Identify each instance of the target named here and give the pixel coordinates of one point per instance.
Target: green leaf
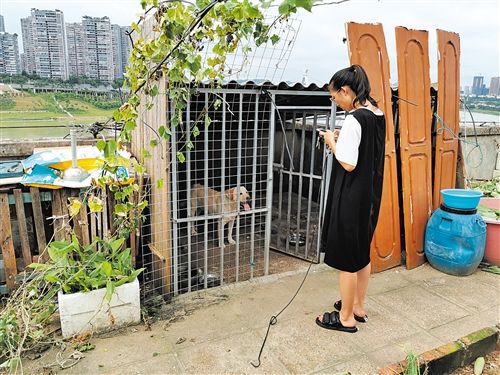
(143, 205)
(181, 157)
(110, 289)
(51, 278)
(121, 210)
(110, 148)
(95, 204)
(101, 144)
(306, 4)
(164, 132)
(159, 183)
(286, 8)
(74, 207)
(117, 244)
(208, 120)
(139, 168)
(195, 131)
(39, 266)
(107, 268)
(275, 39)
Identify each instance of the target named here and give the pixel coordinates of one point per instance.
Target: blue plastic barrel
(455, 240)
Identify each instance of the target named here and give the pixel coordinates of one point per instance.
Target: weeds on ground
(413, 366)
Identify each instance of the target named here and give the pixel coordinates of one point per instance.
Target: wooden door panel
(447, 112)
(415, 138)
(366, 47)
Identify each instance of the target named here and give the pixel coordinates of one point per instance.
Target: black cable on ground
(274, 318)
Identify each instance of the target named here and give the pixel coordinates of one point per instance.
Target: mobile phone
(321, 130)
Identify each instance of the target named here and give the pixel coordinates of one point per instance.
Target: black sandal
(362, 319)
(332, 321)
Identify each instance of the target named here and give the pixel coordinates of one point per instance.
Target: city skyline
(321, 32)
(55, 49)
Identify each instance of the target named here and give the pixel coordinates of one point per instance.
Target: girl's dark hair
(355, 77)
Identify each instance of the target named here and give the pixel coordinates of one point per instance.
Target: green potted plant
(97, 284)
(489, 209)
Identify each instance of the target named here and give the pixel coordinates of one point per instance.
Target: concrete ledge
(450, 356)
(21, 148)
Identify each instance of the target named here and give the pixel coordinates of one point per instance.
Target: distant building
(9, 54)
(121, 49)
(126, 46)
(477, 85)
(44, 44)
(75, 45)
(467, 90)
(495, 86)
(98, 48)
(2, 24)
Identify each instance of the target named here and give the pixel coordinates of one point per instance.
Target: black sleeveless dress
(353, 201)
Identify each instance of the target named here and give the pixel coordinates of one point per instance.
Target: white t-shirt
(348, 141)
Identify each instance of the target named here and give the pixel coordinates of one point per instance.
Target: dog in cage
(220, 204)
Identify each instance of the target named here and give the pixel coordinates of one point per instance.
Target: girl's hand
(330, 138)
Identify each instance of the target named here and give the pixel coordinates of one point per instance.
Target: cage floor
(234, 265)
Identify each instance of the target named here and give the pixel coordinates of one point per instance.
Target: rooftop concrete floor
(221, 330)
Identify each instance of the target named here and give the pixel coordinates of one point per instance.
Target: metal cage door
(300, 168)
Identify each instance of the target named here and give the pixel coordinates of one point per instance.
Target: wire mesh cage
(210, 187)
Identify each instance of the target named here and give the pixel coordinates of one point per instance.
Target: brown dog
(215, 206)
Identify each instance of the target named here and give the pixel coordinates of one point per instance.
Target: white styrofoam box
(91, 312)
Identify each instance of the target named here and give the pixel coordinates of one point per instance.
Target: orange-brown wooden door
(415, 138)
(445, 168)
(366, 44)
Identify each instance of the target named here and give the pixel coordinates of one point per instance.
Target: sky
(319, 48)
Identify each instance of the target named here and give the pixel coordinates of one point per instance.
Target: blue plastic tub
(462, 199)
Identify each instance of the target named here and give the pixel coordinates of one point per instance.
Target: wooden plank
(415, 120)
(445, 167)
(133, 237)
(162, 198)
(366, 45)
(39, 224)
(104, 216)
(64, 211)
(77, 227)
(23, 230)
(93, 226)
(9, 255)
(84, 223)
(57, 212)
(111, 210)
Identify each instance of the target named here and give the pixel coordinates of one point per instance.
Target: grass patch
(6, 103)
(39, 115)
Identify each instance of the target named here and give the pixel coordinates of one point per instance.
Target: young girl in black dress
(354, 195)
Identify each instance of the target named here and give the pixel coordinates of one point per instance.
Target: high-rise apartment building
(75, 41)
(2, 24)
(9, 54)
(477, 85)
(121, 49)
(126, 46)
(495, 86)
(116, 38)
(44, 42)
(98, 48)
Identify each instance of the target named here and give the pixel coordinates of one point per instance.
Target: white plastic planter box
(91, 312)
